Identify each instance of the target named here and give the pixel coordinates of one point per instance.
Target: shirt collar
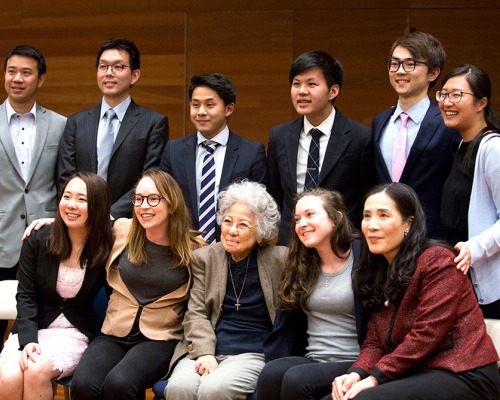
(325, 127)
(119, 109)
(11, 111)
(221, 138)
(416, 113)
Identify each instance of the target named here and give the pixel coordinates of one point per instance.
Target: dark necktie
(106, 146)
(312, 173)
(207, 193)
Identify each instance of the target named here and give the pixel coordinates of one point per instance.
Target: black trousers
(121, 368)
(478, 384)
(298, 378)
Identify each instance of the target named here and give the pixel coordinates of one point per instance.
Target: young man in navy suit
(415, 63)
(345, 146)
(212, 100)
(137, 134)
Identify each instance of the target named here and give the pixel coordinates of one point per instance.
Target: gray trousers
(235, 377)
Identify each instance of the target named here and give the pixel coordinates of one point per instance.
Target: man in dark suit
(345, 146)
(118, 139)
(415, 63)
(29, 141)
(212, 101)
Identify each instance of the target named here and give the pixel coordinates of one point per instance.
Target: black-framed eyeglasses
(153, 199)
(115, 68)
(454, 96)
(408, 65)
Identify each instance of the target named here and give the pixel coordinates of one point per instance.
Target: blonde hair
(182, 238)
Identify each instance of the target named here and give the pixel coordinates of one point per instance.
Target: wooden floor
(60, 394)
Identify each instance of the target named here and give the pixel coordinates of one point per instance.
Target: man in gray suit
(117, 139)
(29, 142)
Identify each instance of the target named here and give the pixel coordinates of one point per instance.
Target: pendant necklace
(237, 304)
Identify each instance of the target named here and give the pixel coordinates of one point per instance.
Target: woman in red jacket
(426, 335)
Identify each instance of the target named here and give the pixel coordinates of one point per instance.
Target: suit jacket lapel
(339, 139)
(377, 134)
(426, 131)
(189, 158)
(131, 117)
(291, 148)
(42, 130)
(90, 127)
(230, 159)
(6, 139)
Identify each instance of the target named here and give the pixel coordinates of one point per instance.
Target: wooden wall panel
(361, 40)
(253, 43)
(254, 50)
(70, 42)
(468, 36)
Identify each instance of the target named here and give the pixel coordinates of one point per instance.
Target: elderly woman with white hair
(233, 300)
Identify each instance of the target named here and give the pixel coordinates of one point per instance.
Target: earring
(406, 233)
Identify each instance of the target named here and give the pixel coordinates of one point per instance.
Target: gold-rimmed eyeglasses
(115, 68)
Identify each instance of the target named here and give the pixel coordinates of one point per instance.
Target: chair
(159, 389)
(493, 329)
(8, 291)
(100, 306)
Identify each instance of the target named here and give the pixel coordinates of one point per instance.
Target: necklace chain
(237, 304)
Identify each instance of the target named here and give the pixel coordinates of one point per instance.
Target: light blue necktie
(106, 146)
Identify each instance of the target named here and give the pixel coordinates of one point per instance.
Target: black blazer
(243, 159)
(428, 165)
(138, 147)
(39, 304)
(348, 167)
(289, 335)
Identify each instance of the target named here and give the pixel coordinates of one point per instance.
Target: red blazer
(437, 326)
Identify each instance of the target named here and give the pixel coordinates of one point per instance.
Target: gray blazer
(21, 202)
(209, 268)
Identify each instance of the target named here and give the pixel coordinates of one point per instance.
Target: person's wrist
(375, 380)
(355, 376)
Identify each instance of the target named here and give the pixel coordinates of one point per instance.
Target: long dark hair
(375, 280)
(480, 85)
(303, 264)
(99, 239)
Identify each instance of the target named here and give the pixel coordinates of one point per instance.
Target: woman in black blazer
(61, 270)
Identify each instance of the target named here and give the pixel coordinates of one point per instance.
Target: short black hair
(121, 44)
(217, 82)
(331, 67)
(28, 51)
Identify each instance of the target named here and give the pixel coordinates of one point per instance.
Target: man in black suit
(345, 146)
(136, 135)
(415, 63)
(212, 101)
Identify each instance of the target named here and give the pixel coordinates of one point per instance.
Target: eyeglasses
(240, 226)
(408, 65)
(454, 96)
(115, 68)
(153, 199)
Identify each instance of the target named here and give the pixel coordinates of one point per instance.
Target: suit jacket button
(26, 191)
(23, 216)
(190, 347)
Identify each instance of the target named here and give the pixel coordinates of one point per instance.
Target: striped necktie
(312, 173)
(207, 193)
(106, 145)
